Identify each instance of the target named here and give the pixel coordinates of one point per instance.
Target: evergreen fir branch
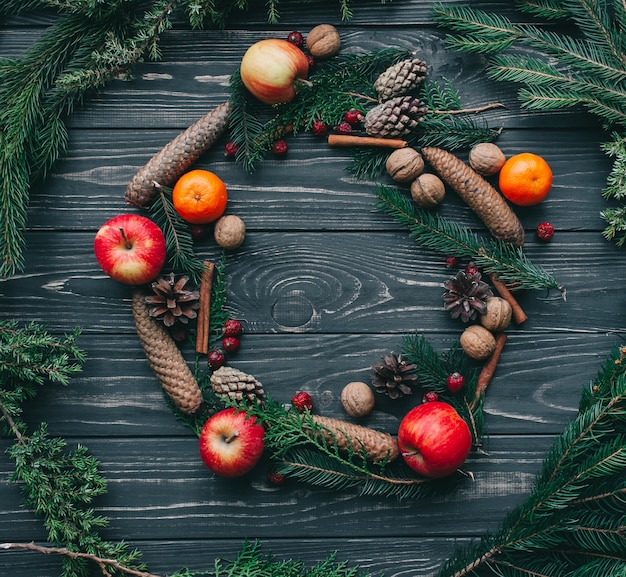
(440, 234)
(545, 9)
(297, 446)
(178, 239)
(433, 370)
(572, 523)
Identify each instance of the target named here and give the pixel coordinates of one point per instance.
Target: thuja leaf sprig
(437, 233)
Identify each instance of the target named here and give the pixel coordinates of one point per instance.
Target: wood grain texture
(324, 285)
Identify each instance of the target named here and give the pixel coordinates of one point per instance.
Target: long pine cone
(488, 204)
(348, 437)
(167, 165)
(165, 358)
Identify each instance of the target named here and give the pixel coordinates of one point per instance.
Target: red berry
(198, 231)
(296, 38)
(452, 261)
(429, 397)
(545, 231)
(216, 359)
(279, 148)
(319, 128)
(353, 116)
(311, 61)
(302, 401)
(455, 382)
(232, 328)
(275, 478)
(230, 344)
(230, 150)
(471, 269)
(344, 127)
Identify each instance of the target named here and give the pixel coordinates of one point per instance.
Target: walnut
(428, 190)
(498, 314)
(357, 399)
(229, 232)
(404, 164)
(323, 41)
(477, 342)
(486, 158)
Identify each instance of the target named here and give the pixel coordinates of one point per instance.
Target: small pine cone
(236, 385)
(394, 117)
(165, 358)
(350, 438)
(393, 376)
(401, 78)
(172, 301)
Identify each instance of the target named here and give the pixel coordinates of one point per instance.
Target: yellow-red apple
(231, 443)
(434, 440)
(271, 68)
(130, 248)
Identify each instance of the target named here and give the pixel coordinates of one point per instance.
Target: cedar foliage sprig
(591, 69)
(573, 521)
(437, 233)
(58, 483)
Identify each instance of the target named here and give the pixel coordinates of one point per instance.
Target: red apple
(271, 68)
(231, 443)
(434, 439)
(130, 248)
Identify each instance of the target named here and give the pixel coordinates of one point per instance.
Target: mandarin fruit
(199, 197)
(525, 179)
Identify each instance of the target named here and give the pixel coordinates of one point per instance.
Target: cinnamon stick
(519, 316)
(204, 313)
(352, 140)
(489, 368)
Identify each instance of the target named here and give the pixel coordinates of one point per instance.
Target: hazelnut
(404, 164)
(477, 342)
(357, 399)
(428, 190)
(323, 41)
(486, 158)
(498, 314)
(229, 232)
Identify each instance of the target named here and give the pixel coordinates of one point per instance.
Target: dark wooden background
(324, 284)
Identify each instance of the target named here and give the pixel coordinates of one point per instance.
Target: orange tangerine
(525, 179)
(199, 196)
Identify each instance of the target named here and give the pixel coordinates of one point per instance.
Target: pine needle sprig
(433, 370)
(178, 239)
(591, 72)
(572, 523)
(447, 237)
(295, 443)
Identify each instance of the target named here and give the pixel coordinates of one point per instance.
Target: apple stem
(413, 453)
(232, 437)
(128, 244)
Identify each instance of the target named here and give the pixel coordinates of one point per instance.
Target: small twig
(519, 316)
(476, 110)
(102, 562)
(351, 140)
(489, 368)
(202, 333)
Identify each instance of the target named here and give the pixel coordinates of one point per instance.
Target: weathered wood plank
(536, 388)
(87, 187)
(395, 557)
(159, 487)
(322, 282)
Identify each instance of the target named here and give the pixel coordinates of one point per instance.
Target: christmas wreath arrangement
(337, 454)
